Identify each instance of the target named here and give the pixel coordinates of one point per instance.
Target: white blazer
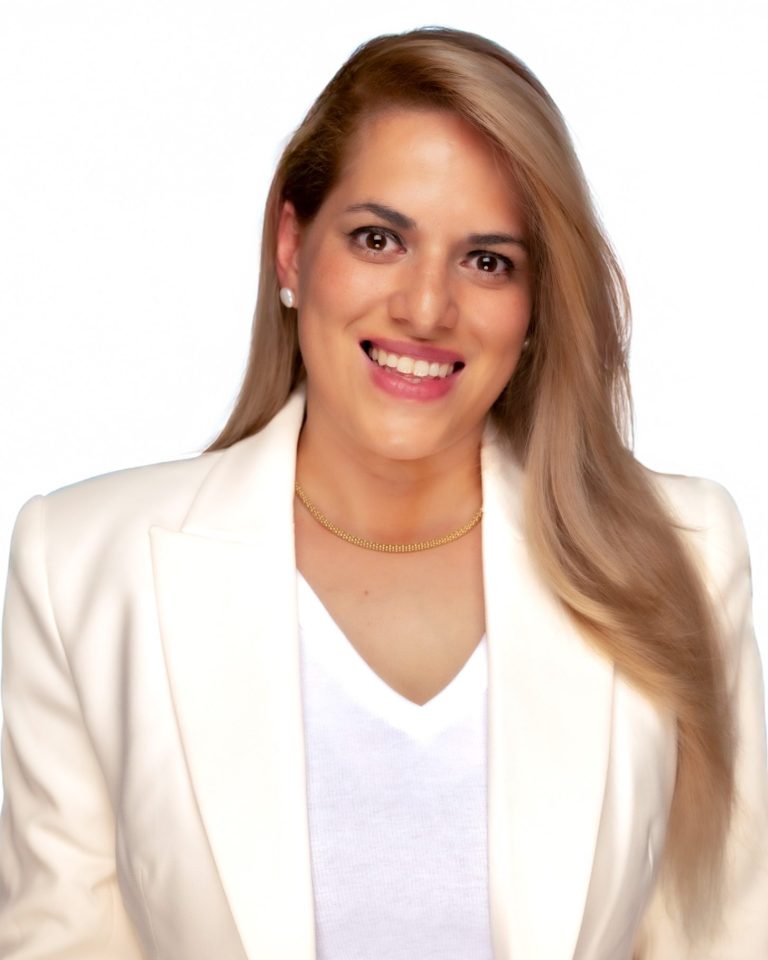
(153, 747)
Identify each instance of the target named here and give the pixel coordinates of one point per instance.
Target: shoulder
(710, 525)
(154, 493)
(85, 518)
(705, 513)
(100, 523)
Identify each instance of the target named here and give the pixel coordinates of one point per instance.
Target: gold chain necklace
(386, 547)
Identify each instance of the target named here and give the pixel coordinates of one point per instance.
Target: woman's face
(413, 288)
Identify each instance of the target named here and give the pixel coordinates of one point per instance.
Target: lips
(417, 361)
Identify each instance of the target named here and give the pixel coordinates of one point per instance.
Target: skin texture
(380, 462)
(421, 287)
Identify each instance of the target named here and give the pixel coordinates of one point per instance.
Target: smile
(416, 367)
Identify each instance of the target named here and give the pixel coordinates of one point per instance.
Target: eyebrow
(394, 217)
(491, 239)
(402, 222)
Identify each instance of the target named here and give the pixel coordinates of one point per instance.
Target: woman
(245, 694)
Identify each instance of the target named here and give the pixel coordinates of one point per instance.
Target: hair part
(595, 524)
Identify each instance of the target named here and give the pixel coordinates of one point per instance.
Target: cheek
(503, 328)
(335, 287)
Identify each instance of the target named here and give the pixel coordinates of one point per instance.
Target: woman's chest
(415, 620)
(193, 701)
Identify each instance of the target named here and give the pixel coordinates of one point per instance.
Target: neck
(389, 500)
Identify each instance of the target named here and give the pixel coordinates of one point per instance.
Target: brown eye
(375, 241)
(493, 264)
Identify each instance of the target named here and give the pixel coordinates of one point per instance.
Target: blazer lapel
(550, 700)
(226, 588)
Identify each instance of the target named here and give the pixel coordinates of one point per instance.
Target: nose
(423, 301)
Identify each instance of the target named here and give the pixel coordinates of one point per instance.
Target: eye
(375, 240)
(495, 264)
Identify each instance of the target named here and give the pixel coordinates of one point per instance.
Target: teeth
(409, 365)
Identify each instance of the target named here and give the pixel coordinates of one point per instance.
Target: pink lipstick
(412, 371)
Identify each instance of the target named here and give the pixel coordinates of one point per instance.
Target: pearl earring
(287, 297)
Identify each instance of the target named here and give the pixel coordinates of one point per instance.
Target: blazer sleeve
(59, 896)
(743, 931)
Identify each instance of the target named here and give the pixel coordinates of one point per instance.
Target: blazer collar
(226, 589)
(550, 702)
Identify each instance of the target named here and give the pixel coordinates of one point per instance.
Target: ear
(287, 247)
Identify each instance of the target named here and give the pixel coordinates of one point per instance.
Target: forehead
(410, 126)
(426, 158)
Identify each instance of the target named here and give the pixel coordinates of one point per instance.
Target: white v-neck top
(397, 805)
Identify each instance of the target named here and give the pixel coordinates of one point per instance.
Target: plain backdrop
(137, 141)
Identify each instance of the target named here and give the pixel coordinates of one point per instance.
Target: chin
(392, 438)
(407, 438)
(402, 447)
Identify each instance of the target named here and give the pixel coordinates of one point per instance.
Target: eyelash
(356, 234)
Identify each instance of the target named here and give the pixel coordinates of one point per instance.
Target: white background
(137, 140)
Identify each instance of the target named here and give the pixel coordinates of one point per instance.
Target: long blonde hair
(595, 525)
